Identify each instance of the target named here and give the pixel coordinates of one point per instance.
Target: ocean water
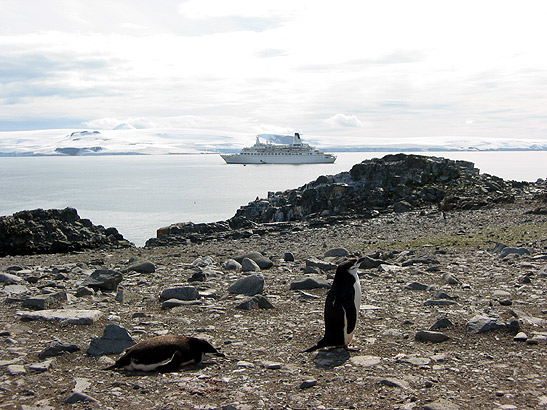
(139, 194)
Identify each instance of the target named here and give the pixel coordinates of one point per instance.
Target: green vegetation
(515, 235)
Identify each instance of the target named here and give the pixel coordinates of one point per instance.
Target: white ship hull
(295, 153)
(278, 159)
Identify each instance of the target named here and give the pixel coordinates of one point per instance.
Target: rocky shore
(453, 314)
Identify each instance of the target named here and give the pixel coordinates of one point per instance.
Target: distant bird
(165, 353)
(342, 307)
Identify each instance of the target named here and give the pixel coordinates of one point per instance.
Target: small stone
(366, 361)
(331, 358)
(441, 324)
(231, 264)
(244, 364)
(262, 261)
(392, 382)
(306, 384)
(84, 291)
(103, 279)
(433, 337)
(41, 366)
(336, 252)
(451, 279)
(115, 340)
(441, 302)
(249, 285)
(79, 397)
(57, 349)
(521, 337)
(180, 292)
(288, 257)
(256, 302)
(140, 266)
(310, 283)
(16, 369)
(417, 286)
(249, 265)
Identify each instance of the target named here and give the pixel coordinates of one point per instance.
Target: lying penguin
(165, 353)
(342, 307)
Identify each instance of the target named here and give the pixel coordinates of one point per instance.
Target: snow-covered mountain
(126, 140)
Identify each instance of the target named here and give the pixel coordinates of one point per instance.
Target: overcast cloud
(358, 70)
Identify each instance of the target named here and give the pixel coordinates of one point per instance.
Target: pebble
(432, 337)
(521, 337)
(306, 384)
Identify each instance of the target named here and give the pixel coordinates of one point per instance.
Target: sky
(350, 69)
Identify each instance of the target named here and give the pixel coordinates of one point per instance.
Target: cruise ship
(268, 153)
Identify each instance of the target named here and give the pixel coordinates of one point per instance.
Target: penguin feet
(351, 348)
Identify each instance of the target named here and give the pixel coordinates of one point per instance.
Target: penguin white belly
(348, 337)
(145, 367)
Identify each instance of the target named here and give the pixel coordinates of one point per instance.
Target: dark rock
(440, 302)
(200, 276)
(441, 324)
(316, 263)
(249, 265)
(115, 340)
(306, 384)
(331, 358)
(53, 231)
(402, 206)
(140, 266)
(482, 324)
(432, 337)
(288, 257)
(417, 286)
(79, 397)
(262, 261)
(514, 251)
(231, 264)
(370, 263)
(84, 291)
(103, 279)
(57, 349)
(310, 283)
(46, 301)
(180, 293)
(336, 252)
(249, 285)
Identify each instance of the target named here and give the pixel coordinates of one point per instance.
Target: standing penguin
(165, 353)
(341, 307)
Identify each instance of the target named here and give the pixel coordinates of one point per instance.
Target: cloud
(343, 120)
(235, 15)
(271, 52)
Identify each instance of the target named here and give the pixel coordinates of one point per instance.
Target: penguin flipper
(174, 364)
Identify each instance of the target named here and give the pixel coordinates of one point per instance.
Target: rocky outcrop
(53, 231)
(395, 183)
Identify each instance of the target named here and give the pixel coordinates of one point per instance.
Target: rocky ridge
(394, 183)
(54, 230)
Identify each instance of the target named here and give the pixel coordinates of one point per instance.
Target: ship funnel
(297, 140)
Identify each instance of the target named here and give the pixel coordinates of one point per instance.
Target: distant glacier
(131, 141)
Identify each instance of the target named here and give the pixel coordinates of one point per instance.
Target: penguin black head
(203, 346)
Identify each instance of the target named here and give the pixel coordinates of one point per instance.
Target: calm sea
(139, 194)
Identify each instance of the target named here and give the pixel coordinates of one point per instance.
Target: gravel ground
(264, 366)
